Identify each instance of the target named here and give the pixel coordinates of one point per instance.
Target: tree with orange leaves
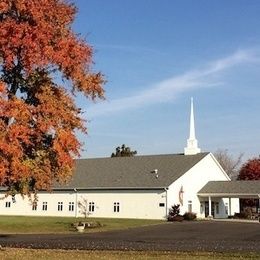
(38, 116)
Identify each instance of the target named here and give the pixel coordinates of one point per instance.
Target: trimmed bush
(190, 216)
(178, 218)
(242, 215)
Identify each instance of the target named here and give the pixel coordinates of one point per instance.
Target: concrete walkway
(237, 220)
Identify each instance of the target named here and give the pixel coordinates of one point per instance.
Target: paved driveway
(185, 236)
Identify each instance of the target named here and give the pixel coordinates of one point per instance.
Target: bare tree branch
(229, 163)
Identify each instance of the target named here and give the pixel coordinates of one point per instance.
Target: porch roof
(231, 189)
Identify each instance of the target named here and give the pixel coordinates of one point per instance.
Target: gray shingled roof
(231, 188)
(131, 172)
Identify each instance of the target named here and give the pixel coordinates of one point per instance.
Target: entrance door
(207, 209)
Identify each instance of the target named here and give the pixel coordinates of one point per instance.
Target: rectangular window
(189, 206)
(201, 208)
(161, 204)
(91, 206)
(116, 206)
(60, 206)
(34, 206)
(8, 204)
(71, 206)
(226, 208)
(44, 206)
(217, 208)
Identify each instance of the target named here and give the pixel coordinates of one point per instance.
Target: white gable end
(184, 190)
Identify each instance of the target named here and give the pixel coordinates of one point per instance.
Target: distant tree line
(123, 151)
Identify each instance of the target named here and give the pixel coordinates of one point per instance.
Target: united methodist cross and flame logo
(181, 195)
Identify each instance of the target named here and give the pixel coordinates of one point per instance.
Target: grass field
(31, 254)
(15, 225)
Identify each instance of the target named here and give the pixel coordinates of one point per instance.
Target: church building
(143, 187)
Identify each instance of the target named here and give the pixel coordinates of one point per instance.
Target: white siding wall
(23, 206)
(132, 204)
(235, 208)
(192, 181)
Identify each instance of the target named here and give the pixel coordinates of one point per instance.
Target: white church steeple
(192, 143)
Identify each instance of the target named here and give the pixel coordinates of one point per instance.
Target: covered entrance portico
(214, 207)
(211, 208)
(220, 199)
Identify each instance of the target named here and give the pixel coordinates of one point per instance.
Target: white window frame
(189, 206)
(44, 206)
(60, 206)
(34, 206)
(91, 206)
(8, 204)
(116, 207)
(226, 208)
(71, 206)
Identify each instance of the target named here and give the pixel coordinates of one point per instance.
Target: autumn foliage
(250, 170)
(38, 115)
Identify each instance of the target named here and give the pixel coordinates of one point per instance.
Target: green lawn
(21, 224)
(10, 224)
(31, 254)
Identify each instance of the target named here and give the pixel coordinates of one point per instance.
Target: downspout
(76, 202)
(258, 210)
(166, 202)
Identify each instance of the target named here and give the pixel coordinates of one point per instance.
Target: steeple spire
(192, 125)
(192, 143)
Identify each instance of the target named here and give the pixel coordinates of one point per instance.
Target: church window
(71, 206)
(91, 206)
(189, 206)
(44, 206)
(201, 208)
(226, 208)
(34, 206)
(161, 204)
(116, 206)
(217, 208)
(8, 204)
(60, 206)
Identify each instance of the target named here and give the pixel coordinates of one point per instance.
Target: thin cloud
(125, 48)
(169, 89)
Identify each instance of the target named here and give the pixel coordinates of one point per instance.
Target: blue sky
(155, 55)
